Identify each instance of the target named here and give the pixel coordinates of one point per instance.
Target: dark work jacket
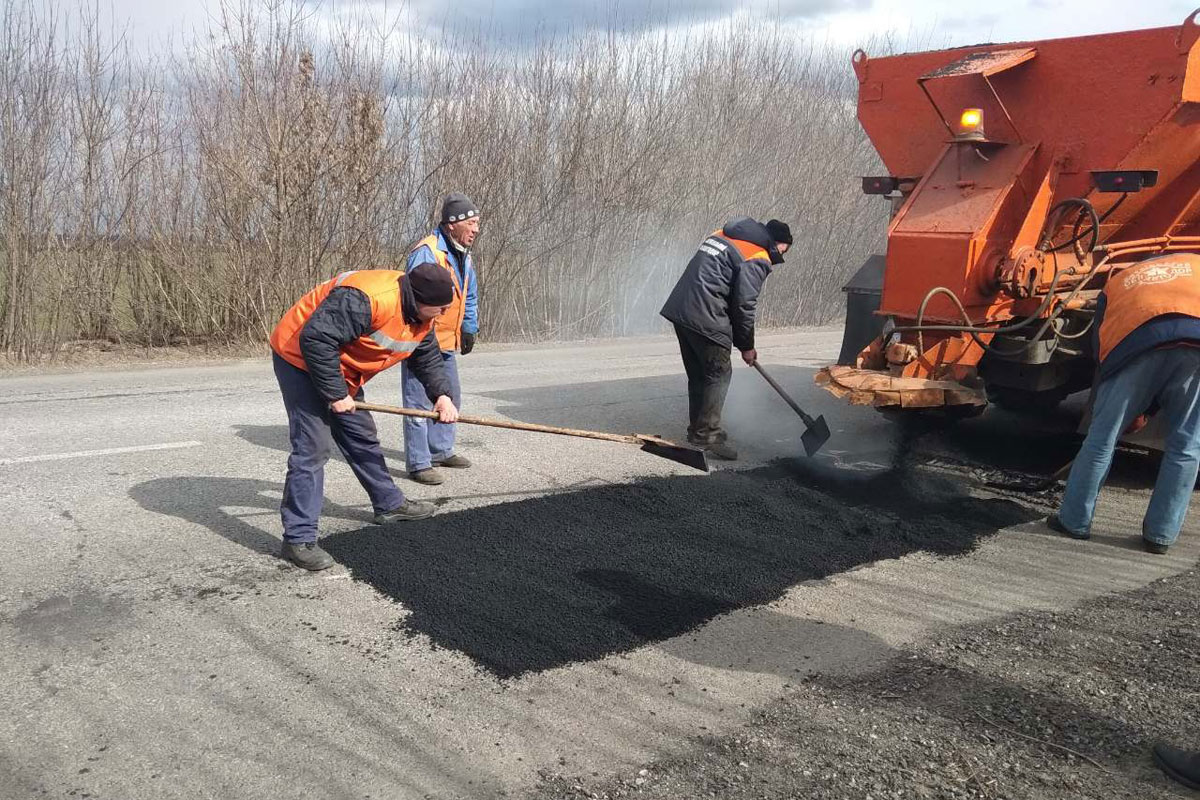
(343, 317)
(1161, 331)
(717, 295)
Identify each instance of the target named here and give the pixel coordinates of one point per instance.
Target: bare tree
(191, 196)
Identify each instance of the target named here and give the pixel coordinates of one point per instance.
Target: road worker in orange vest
(335, 339)
(713, 308)
(1147, 340)
(428, 446)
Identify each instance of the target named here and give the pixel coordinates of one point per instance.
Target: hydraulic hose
(971, 327)
(975, 330)
(1055, 215)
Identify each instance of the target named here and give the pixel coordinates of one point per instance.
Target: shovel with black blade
(688, 456)
(817, 433)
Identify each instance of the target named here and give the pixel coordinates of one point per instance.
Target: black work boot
(1155, 547)
(1055, 524)
(307, 555)
(412, 509)
(1181, 765)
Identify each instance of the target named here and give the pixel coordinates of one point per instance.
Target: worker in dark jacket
(713, 308)
(335, 339)
(1148, 348)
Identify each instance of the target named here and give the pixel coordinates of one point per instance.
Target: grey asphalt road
(153, 647)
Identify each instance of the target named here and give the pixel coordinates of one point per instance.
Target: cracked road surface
(577, 607)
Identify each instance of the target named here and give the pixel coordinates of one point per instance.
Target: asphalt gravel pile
(538, 583)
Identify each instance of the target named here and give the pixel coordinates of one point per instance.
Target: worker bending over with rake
(1147, 329)
(335, 339)
(712, 308)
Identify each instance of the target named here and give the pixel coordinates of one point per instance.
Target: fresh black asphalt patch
(538, 583)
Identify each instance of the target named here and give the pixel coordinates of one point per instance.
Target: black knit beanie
(457, 207)
(779, 232)
(431, 285)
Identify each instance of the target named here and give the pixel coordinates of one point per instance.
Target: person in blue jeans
(1147, 331)
(430, 445)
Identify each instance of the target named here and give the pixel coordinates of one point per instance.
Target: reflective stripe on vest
(388, 343)
(449, 325)
(1164, 285)
(748, 250)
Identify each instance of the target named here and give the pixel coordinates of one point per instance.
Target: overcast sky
(940, 22)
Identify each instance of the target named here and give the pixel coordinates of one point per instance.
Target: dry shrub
(191, 196)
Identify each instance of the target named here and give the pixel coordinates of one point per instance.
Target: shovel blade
(688, 456)
(816, 436)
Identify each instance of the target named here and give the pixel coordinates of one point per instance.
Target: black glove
(468, 342)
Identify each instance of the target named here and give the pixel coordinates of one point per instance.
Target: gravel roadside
(1045, 704)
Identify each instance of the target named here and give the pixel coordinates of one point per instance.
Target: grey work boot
(428, 476)
(717, 444)
(412, 509)
(455, 462)
(307, 555)
(722, 450)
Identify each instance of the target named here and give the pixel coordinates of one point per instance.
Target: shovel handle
(787, 398)
(501, 423)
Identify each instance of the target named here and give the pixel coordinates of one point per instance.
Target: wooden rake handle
(503, 423)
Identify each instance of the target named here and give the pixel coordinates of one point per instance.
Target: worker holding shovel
(712, 308)
(331, 342)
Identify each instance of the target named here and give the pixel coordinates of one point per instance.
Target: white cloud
(912, 23)
(952, 22)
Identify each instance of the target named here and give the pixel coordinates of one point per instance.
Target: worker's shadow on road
(275, 437)
(546, 581)
(229, 507)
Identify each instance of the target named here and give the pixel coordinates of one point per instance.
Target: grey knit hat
(457, 207)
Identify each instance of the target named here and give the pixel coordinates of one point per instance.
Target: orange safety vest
(1164, 285)
(449, 324)
(389, 341)
(749, 250)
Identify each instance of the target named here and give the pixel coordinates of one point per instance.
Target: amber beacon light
(970, 124)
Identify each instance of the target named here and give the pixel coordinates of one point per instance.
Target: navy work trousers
(311, 426)
(708, 373)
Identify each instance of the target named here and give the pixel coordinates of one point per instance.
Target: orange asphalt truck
(1021, 177)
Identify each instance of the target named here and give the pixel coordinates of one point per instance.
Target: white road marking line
(107, 452)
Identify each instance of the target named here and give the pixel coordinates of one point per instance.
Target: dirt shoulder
(1047, 704)
(92, 356)
(81, 356)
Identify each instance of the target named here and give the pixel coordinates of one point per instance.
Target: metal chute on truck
(1021, 177)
